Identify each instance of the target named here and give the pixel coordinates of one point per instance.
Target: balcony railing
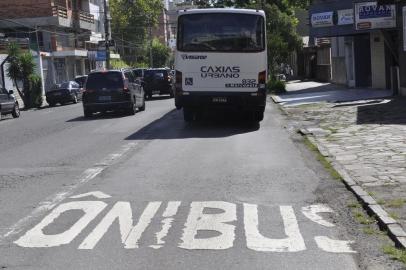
(59, 11)
(86, 17)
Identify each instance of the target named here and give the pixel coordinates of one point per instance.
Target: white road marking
(198, 221)
(55, 199)
(37, 238)
(97, 194)
(334, 246)
(168, 214)
(130, 234)
(292, 243)
(311, 212)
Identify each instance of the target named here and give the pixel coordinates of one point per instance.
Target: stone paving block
(396, 230)
(382, 215)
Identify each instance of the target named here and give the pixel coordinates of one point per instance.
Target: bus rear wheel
(257, 116)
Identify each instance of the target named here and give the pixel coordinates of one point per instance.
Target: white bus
(221, 61)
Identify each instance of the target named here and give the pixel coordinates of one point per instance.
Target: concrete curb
(386, 223)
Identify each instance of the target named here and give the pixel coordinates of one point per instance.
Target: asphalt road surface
(152, 192)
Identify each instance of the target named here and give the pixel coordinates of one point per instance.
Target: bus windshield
(227, 32)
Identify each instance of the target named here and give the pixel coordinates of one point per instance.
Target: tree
(131, 19)
(14, 67)
(21, 68)
(160, 54)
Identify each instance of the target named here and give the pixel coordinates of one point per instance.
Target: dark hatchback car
(158, 81)
(112, 90)
(64, 93)
(8, 103)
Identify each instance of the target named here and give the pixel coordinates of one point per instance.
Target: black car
(158, 81)
(63, 93)
(112, 90)
(8, 103)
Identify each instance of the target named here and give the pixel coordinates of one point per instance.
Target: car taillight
(262, 79)
(178, 78)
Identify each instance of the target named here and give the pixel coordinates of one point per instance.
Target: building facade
(63, 34)
(366, 42)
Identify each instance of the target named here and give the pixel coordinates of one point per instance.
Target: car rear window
(155, 74)
(105, 80)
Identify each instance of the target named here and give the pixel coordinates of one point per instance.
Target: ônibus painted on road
(221, 61)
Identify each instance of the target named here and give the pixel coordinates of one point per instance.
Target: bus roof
(222, 10)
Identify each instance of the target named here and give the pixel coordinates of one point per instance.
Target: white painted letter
(255, 241)
(198, 221)
(36, 237)
(168, 214)
(334, 246)
(130, 234)
(311, 212)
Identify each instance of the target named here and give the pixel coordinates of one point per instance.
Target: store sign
(322, 19)
(369, 15)
(404, 27)
(101, 56)
(345, 16)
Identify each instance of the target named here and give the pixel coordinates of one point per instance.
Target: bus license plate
(219, 100)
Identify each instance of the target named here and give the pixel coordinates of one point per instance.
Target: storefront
(360, 41)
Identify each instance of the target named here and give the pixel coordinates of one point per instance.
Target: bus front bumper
(248, 101)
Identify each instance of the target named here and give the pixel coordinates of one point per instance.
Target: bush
(35, 91)
(276, 86)
(118, 63)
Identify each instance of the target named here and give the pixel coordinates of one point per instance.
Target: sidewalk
(363, 134)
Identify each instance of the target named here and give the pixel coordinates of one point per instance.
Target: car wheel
(142, 108)
(16, 111)
(51, 104)
(75, 99)
(188, 114)
(87, 113)
(132, 110)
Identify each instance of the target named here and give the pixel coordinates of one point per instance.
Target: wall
(378, 60)
(12, 9)
(338, 64)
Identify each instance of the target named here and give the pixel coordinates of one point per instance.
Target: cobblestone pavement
(366, 137)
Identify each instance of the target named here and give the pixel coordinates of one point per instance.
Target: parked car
(81, 80)
(158, 81)
(112, 90)
(8, 103)
(63, 93)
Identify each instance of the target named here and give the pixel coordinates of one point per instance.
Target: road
(151, 192)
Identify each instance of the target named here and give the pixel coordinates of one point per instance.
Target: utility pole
(106, 34)
(151, 61)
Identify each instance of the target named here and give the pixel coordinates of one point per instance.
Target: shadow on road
(99, 116)
(392, 112)
(171, 126)
(156, 98)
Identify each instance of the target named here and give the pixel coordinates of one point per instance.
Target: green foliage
(21, 68)
(35, 90)
(118, 63)
(395, 254)
(160, 54)
(276, 86)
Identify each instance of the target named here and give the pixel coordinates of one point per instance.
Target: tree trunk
(20, 93)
